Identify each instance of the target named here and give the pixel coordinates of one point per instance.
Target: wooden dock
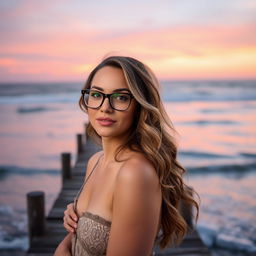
(44, 245)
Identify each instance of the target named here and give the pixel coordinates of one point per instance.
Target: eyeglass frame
(106, 95)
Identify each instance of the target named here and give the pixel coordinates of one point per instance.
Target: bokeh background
(203, 53)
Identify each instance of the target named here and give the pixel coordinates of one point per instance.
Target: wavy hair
(152, 134)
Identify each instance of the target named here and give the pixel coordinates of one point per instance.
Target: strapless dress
(91, 236)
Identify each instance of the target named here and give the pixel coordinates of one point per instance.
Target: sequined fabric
(91, 236)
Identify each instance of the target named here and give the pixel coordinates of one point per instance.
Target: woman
(132, 187)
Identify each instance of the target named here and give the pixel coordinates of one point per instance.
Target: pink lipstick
(104, 121)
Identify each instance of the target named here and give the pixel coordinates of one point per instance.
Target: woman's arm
(136, 209)
(64, 248)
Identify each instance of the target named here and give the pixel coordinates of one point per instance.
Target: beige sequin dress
(92, 236)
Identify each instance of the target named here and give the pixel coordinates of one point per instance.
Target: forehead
(109, 78)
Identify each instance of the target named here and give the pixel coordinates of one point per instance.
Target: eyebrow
(116, 90)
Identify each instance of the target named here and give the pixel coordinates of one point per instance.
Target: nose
(106, 107)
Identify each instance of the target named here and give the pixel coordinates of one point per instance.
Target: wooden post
(85, 131)
(36, 214)
(79, 138)
(66, 166)
(187, 211)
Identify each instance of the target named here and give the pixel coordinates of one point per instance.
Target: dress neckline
(96, 217)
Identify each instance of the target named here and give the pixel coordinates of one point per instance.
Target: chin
(114, 131)
(105, 132)
(111, 133)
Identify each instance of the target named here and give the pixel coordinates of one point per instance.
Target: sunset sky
(62, 40)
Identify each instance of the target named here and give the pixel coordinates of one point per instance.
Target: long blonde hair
(151, 134)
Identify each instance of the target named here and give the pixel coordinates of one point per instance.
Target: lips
(105, 121)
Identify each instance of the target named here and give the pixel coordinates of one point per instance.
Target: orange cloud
(173, 52)
(8, 62)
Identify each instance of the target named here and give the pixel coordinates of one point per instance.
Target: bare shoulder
(136, 208)
(137, 170)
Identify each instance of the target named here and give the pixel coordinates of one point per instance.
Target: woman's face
(107, 121)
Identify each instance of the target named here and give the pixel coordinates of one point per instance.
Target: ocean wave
(171, 91)
(209, 122)
(202, 154)
(25, 110)
(14, 243)
(216, 236)
(8, 170)
(208, 110)
(13, 229)
(209, 98)
(181, 91)
(249, 155)
(233, 169)
(40, 99)
(46, 88)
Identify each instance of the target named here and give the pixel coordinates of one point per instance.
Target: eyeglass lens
(118, 101)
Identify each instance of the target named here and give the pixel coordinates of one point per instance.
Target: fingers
(68, 227)
(71, 212)
(70, 219)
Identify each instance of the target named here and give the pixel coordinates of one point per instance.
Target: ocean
(215, 121)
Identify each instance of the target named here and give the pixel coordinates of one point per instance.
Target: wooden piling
(85, 132)
(66, 166)
(36, 214)
(79, 140)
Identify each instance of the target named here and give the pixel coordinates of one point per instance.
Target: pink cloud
(170, 48)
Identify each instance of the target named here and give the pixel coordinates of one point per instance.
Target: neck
(110, 145)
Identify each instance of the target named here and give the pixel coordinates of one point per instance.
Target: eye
(95, 94)
(120, 97)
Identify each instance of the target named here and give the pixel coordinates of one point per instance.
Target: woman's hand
(70, 219)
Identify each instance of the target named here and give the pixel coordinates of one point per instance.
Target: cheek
(90, 112)
(91, 115)
(128, 119)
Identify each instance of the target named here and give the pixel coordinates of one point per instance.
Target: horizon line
(160, 80)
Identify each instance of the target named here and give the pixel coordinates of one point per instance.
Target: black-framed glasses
(118, 100)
